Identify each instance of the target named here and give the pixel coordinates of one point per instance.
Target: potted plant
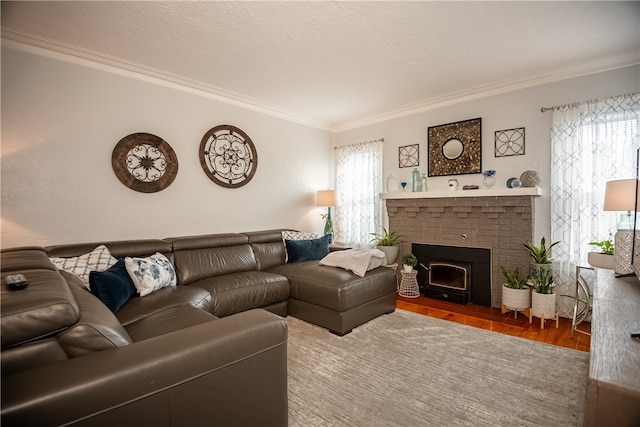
(409, 261)
(543, 299)
(387, 242)
(604, 258)
(516, 295)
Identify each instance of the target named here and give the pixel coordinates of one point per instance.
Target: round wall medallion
(144, 162)
(228, 156)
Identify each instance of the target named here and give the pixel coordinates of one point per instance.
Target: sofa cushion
(96, 329)
(268, 248)
(305, 250)
(151, 273)
(138, 308)
(335, 288)
(99, 259)
(233, 293)
(114, 286)
(168, 320)
(43, 308)
(27, 258)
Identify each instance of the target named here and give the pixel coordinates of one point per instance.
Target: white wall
(504, 111)
(61, 121)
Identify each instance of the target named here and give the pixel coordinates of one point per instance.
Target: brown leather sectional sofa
(210, 351)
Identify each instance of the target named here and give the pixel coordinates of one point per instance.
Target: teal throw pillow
(305, 250)
(113, 287)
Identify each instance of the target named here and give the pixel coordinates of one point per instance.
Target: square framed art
(455, 148)
(409, 156)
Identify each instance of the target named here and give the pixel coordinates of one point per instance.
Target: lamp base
(622, 254)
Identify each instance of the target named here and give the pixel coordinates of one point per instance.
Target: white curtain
(591, 143)
(358, 186)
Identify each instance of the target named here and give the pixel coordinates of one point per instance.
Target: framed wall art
(509, 142)
(144, 162)
(455, 148)
(409, 156)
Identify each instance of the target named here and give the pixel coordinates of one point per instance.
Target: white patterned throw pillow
(150, 274)
(299, 235)
(99, 259)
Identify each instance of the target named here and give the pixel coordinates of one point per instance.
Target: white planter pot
(407, 268)
(390, 252)
(516, 299)
(543, 305)
(596, 259)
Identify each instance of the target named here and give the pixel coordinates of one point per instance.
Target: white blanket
(357, 260)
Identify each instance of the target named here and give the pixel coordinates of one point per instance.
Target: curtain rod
(364, 142)
(557, 107)
(575, 104)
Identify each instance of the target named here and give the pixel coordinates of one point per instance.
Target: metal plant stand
(582, 304)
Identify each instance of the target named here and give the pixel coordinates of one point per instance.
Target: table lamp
(327, 198)
(620, 195)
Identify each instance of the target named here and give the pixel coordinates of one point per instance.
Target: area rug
(406, 369)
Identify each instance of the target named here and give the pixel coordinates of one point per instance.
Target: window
(358, 186)
(591, 143)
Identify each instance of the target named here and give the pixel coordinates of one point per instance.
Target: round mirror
(452, 148)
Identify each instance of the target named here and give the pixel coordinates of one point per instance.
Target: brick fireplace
(499, 220)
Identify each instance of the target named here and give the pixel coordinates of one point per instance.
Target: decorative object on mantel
(392, 183)
(509, 142)
(530, 178)
(620, 195)
(403, 184)
(228, 156)
(416, 182)
(453, 184)
(423, 178)
(144, 162)
(489, 178)
(455, 148)
(409, 156)
(514, 183)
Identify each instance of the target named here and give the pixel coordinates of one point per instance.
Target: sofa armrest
(230, 371)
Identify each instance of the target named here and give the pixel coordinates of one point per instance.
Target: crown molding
(72, 54)
(505, 86)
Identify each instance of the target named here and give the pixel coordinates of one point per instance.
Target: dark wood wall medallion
(228, 156)
(144, 162)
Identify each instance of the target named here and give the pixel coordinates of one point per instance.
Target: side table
(409, 284)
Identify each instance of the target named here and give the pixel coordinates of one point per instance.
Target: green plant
(606, 247)
(328, 223)
(386, 238)
(410, 259)
(540, 254)
(514, 279)
(543, 282)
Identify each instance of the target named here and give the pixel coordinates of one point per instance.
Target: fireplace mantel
(442, 194)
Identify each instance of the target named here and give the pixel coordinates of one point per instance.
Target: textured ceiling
(339, 64)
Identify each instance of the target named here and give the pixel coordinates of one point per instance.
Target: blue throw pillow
(304, 250)
(113, 287)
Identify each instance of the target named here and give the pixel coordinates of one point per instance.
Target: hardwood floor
(493, 320)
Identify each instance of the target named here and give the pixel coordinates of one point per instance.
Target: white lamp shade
(620, 195)
(326, 198)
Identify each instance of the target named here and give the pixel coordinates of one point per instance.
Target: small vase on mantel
(489, 178)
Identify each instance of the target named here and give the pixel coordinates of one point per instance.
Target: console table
(613, 386)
